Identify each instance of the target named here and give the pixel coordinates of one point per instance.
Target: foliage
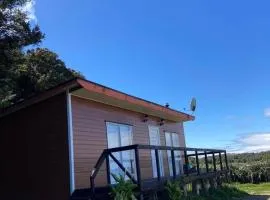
(25, 72)
(249, 157)
(224, 192)
(173, 190)
(41, 70)
(245, 167)
(124, 189)
(250, 167)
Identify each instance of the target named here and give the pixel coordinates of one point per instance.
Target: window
(154, 138)
(120, 135)
(172, 140)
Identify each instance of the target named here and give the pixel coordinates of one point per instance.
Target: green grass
(225, 192)
(233, 191)
(257, 189)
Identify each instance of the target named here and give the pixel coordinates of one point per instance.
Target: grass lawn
(254, 189)
(225, 192)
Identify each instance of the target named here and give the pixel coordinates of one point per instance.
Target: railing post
(226, 160)
(138, 169)
(214, 162)
(157, 163)
(197, 162)
(186, 162)
(108, 169)
(206, 161)
(228, 173)
(173, 164)
(220, 161)
(92, 182)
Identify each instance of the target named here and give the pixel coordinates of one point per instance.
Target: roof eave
(109, 95)
(106, 95)
(66, 86)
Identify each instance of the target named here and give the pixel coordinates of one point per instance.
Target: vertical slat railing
(108, 153)
(214, 162)
(173, 164)
(108, 169)
(197, 162)
(226, 160)
(138, 169)
(206, 161)
(220, 161)
(92, 182)
(95, 171)
(186, 161)
(157, 163)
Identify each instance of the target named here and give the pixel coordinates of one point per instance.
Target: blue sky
(170, 51)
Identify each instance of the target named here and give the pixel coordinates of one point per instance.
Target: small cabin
(67, 141)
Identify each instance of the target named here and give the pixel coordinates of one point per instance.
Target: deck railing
(197, 152)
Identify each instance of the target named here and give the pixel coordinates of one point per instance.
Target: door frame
(107, 123)
(160, 152)
(178, 167)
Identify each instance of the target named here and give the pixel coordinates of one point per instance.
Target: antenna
(193, 104)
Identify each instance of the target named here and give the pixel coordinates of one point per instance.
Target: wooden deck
(157, 184)
(147, 186)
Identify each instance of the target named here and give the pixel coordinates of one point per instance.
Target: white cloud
(29, 8)
(267, 112)
(254, 142)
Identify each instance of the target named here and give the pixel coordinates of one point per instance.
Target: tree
(23, 73)
(41, 70)
(15, 34)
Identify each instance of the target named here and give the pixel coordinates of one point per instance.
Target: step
(101, 193)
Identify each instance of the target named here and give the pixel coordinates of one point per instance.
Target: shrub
(124, 189)
(173, 190)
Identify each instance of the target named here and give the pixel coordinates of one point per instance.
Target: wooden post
(173, 164)
(108, 169)
(214, 162)
(228, 173)
(194, 187)
(220, 161)
(157, 163)
(226, 160)
(186, 161)
(138, 170)
(92, 182)
(197, 162)
(206, 161)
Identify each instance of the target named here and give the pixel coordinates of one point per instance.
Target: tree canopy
(25, 69)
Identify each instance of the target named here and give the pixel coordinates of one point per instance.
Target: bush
(253, 173)
(124, 189)
(174, 191)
